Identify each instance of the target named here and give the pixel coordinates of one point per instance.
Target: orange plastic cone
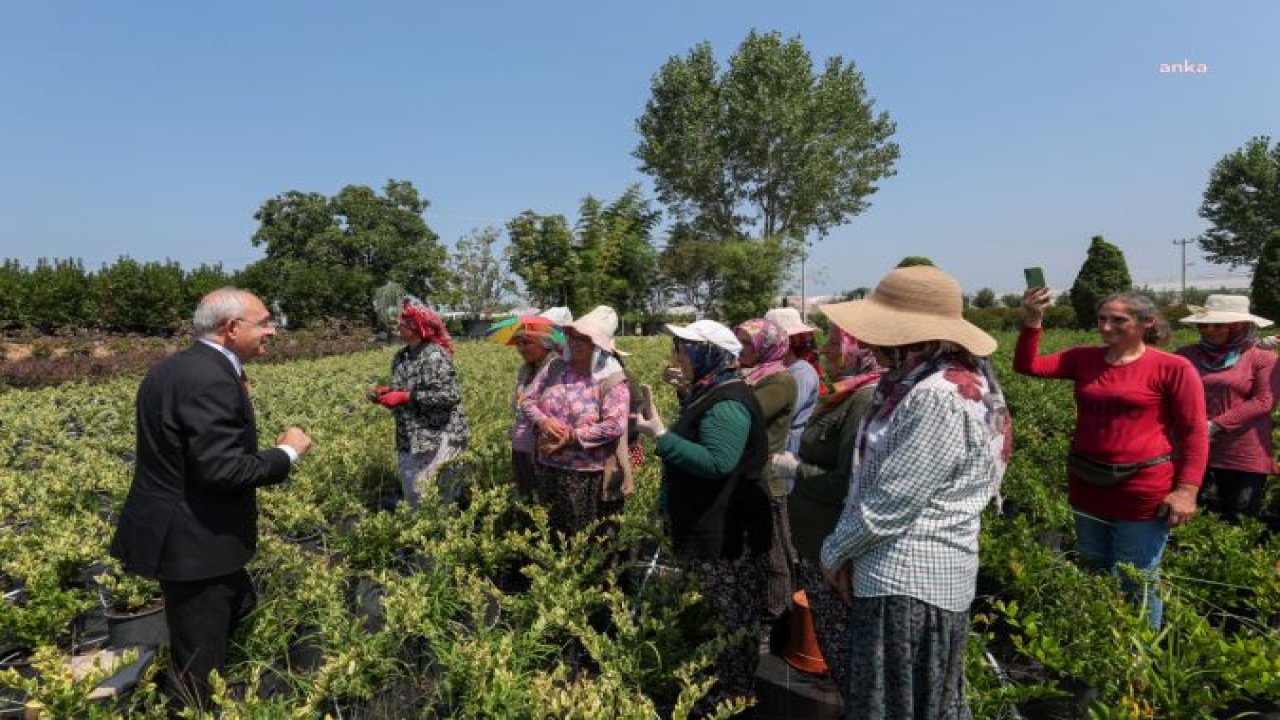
(802, 648)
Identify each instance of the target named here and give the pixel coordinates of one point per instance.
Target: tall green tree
(1104, 272)
(749, 266)
(690, 268)
(607, 257)
(477, 283)
(768, 147)
(540, 250)
(1242, 203)
(1264, 295)
(325, 255)
(615, 246)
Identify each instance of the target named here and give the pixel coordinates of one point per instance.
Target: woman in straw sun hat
(1140, 443)
(929, 457)
(581, 468)
(1240, 392)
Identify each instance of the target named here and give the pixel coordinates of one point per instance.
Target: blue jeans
(1104, 544)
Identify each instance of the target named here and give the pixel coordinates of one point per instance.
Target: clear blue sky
(156, 129)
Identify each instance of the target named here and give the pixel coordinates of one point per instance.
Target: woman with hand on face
(764, 350)
(716, 503)
(1140, 445)
(540, 348)
(819, 476)
(426, 398)
(581, 420)
(1239, 386)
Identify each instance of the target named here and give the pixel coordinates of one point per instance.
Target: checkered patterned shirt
(910, 523)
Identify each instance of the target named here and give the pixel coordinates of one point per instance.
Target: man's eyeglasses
(264, 323)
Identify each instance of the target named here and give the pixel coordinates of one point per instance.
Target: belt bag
(1107, 474)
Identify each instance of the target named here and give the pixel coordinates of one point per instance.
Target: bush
(1104, 272)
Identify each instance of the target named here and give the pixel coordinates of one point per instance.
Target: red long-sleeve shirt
(1127, 414)
(1239, 400)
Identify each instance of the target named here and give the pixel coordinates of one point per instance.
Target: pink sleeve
(1027, 359)
(1186, 401)
(1261, 402)
(530, 402)
(612, 421)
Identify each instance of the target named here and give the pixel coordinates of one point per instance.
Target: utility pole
(1183, 243)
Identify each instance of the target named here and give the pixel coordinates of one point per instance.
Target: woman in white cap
(1240, 393)
(930, 456)
(581, 465)
(1141, 440)
(713, 489)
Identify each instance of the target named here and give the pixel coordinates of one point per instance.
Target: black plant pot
(310, 542)
(144, 627)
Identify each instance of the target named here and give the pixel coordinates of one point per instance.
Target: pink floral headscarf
(770, 342)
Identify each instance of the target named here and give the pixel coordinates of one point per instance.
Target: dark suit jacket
(192, 512)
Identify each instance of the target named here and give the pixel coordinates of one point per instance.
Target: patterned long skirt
(906, 660)
(418, 470)
(735, 589)
(780, 586)
(572, 497)
(830, 621)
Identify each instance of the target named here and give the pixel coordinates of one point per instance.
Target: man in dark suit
(190, 519)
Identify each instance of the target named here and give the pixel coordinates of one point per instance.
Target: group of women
(871, 503)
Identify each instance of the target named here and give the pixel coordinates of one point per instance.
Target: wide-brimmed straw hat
(911, 305)
(1224, 309)
(789, 320)
(601, 324)
(708, 331)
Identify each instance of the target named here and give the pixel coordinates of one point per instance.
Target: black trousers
(201, 615)
(1232, 493)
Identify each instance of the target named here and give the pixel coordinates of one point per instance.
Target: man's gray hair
(217, 308)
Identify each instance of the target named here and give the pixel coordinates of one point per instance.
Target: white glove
(1214, 428)
(651, 426)
(784, 466)
(1269, 342)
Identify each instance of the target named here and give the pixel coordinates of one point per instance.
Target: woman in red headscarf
(424, 395)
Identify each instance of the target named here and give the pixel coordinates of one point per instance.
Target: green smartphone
(1035, 277)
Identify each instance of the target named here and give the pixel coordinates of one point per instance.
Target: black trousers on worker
(201, 615)
(1233, 493)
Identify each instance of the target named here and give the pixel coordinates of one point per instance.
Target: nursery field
(474, 612)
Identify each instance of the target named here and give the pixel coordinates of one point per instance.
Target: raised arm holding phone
(1140, 444)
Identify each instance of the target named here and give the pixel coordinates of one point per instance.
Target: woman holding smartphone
(1140, 444)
